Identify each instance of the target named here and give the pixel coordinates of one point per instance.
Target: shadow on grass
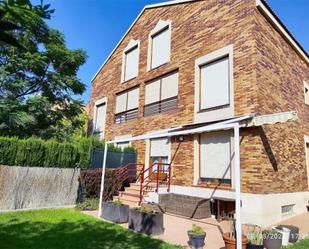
(64, 234)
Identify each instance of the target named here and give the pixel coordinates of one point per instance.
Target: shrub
(88, 204)
(90, 181)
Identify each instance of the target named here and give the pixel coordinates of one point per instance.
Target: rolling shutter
(152, 92)
(131, 64)
(169, 86)
(161, 45)
(159, 147)
(133, 99)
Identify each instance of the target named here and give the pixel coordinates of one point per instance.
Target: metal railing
(162, 106)
(145, 181)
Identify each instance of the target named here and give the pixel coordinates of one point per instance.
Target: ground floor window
(159, 151)
(216, 157)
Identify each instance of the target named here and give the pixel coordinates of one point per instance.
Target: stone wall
(34, 187)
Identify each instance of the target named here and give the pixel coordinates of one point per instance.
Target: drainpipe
(102, 180)
(237, 187)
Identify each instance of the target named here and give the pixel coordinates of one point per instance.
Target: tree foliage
(39, 83)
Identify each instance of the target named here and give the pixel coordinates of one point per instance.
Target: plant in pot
(285, 234)
(115, 211)
(230, 238)
(196, 237)
(272, 239)
(294, 232)
(255, 237)
(146, 220)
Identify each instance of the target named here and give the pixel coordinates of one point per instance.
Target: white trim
(161, 25)
(213, 115)
(306, 138)
(273, 20)
(131, 45)
(97, 103)
(122, 137)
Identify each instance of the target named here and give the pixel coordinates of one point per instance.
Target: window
(161, 95)
(215, 84)
(159, 45)
(214, 90)
(100, 116)
(287, 210)
(127, 106)
(306, 92)
(216, 157)
(123, 145)
(130, 61)
(307, 156)
(159, 152)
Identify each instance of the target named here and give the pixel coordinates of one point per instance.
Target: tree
(38, 83)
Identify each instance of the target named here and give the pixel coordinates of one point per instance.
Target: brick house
(186, 63)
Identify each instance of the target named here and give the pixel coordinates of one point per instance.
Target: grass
(68, 229)
(302, 244)
(88, 204)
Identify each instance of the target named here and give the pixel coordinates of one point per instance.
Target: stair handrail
(142, 178)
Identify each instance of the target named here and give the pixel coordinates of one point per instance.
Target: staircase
(131, 195)
(135, 194)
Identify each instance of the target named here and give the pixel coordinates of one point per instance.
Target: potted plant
(196, 237)
(115, 211)
(230, 238)
(272, 239)
(146, 220)
(255, 238)
(285, 234)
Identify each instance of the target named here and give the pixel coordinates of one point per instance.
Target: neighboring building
(192, 62)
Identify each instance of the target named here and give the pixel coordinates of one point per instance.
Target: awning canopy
(250, 120)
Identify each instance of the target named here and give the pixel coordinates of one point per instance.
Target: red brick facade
(268, 78)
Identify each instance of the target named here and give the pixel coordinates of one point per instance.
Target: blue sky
(97, 25)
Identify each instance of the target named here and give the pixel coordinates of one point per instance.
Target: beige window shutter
(152, 92)
(121, 103)
(133, 99)
(159, 147)
(161, 46)
(131, 64)
(215, 155)
(215, 84)
(169, 86)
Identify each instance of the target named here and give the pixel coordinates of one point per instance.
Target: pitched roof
(262, 6)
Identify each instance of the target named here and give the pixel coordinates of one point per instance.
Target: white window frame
(96, 104)
(220, 113)
(123, 137)
(306, 95)
(132, 44)
(160, 26)
(306, 138)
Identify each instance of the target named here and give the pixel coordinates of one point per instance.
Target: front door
(159, 158)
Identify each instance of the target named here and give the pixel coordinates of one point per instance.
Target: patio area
(176, 229)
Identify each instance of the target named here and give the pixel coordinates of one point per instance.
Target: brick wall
(268, 78)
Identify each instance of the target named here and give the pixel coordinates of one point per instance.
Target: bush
(90, 181)
(88, 205)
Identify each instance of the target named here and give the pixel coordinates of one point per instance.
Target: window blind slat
(215, 85)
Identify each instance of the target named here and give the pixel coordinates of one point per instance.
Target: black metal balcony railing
(126, 116)
(165, 105)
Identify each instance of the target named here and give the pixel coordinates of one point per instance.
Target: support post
(102, 180)
(237, 187)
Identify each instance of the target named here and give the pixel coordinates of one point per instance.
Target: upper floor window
(214, 98)
(161, 94)
(130, 61)
(215, 84)
(306, 92)
(127, 106)
(159, 49)
(100, 116)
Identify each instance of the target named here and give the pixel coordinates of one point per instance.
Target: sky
(97, 26)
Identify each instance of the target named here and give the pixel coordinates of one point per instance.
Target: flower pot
(148, 223)
(294, 233)
(252, 246)
(272, 241)
(115, 212)
(230, 241)
(196, 241)
(285, 234)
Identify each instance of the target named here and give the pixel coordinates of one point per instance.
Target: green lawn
(67, 229)
(302, 244)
